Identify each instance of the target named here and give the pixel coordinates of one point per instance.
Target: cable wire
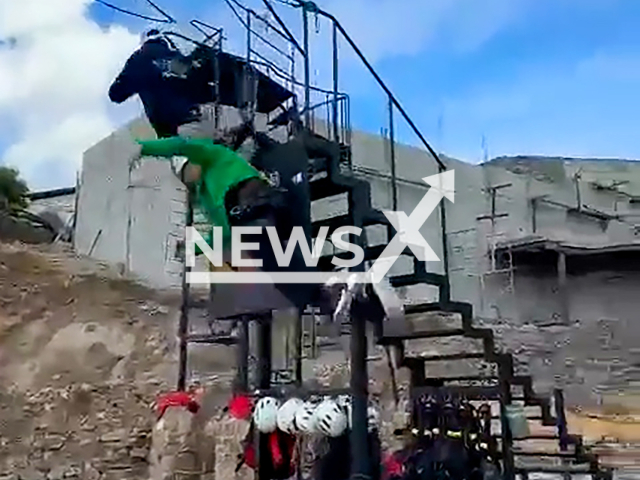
(135, 14)
(162, 12)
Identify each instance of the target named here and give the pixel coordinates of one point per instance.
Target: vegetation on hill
(13, 190)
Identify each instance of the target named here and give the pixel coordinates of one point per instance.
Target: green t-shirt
(222, 169)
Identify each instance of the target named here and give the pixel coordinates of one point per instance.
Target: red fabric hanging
(177, 399)
(240, 407)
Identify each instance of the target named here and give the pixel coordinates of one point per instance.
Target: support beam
(505, 367)
(263, 382)
(183, 325)
(242, 358)
(307, 75)
(392, 155)
(562, 287)
(360, 455)
(336, 136)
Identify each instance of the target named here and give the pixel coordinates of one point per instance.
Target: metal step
(420, 325)
(209, 339)
(302, 393)
(435, 279)
(581, 469)
(452, 356)
(325, 187)
(471, 392)
(531, 453)
(465, 378)
(394, 338)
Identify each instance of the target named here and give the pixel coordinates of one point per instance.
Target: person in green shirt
(231, 192)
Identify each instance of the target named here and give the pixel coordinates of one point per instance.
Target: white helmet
(304, 418)
(330, 419)
(265, 414)
(287, 414)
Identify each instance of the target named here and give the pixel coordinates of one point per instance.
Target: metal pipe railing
(392, 155)
(382, 84)
(247, 25)
(307, 75)
(288, 35)
(335, 84)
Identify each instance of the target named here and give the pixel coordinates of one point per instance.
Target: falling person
(231, 192)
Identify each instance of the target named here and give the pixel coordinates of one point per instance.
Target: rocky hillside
(83, 353)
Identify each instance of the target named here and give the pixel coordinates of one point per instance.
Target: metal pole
(293, 72)
(247, 73)
(505, 366)
(217, 48)
(264, 383)
(264, 352)
(242, 356)
(216, 67)
(392, 153)
(441, 165)
(562, 286)
(386, 89)
(248, 56)
(360, 455)
(561, 419)
(184, 310)
(307, 77)
(360, 452)
(283, 26)
(445, 290)
(336, 136)
(297, 333)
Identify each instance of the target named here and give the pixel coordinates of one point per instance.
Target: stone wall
(81, 431)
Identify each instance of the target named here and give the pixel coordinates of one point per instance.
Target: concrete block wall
(589, 354)
(63, 205)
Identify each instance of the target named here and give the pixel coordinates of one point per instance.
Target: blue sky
(549, 77)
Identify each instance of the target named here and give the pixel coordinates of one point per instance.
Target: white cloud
(54, 78)
(385, 28)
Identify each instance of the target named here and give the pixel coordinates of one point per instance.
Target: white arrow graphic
(408, 227)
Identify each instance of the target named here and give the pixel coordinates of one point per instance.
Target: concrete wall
(591, 350)
(135, 220)
(63, 205)
(131, 220)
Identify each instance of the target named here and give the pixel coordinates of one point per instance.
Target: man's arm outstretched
(124, 86)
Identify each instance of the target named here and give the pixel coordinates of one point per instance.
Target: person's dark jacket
(151, 73)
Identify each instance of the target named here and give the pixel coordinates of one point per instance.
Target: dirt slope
(83, 353)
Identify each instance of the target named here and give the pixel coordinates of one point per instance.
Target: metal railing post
(392, 154)
(336, 137)
(307, 77)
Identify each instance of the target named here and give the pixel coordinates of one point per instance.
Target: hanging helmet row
(330, 417)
